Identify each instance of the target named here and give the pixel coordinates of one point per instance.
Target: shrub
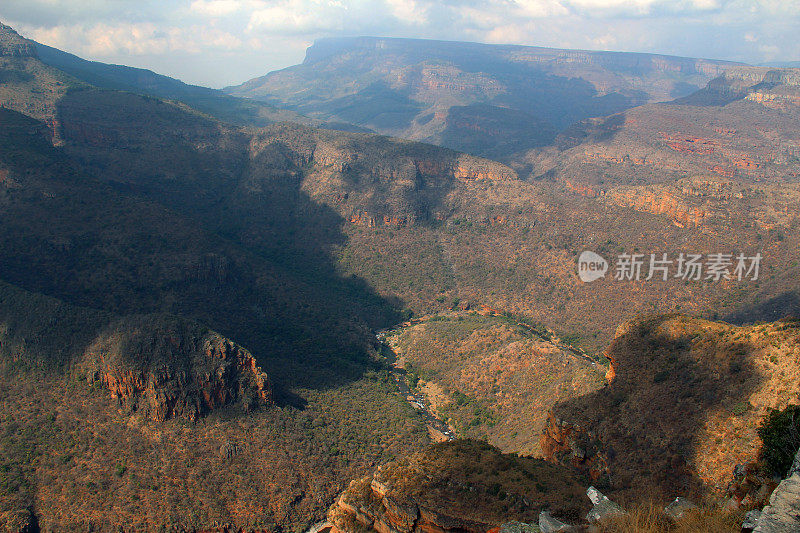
(780, 437)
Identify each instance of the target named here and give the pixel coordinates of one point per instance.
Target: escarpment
(165, 367)
(369, 180)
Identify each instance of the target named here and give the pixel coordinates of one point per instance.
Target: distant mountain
(783, 64)
(147, 82)
(491, 100)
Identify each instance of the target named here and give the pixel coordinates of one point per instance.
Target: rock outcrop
(458, 486)
(603, 507)
(164, 367)
(782, 515)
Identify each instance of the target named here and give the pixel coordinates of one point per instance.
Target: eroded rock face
(165, 367)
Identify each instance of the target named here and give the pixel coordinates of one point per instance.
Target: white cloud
(643, 7)
(105, 40)
(298, 16)
(408, 11)
(215, 8)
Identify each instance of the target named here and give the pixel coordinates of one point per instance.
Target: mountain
(212, 102)
(783, 64)
(156, 227)
(491, 100)
(146, 82)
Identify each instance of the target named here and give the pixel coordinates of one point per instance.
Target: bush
(780, 437)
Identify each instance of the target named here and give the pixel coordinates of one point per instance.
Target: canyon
(191, 286)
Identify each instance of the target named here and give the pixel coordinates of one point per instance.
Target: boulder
(678, 508)
(519, 527)
(782, 515)
(548, 524)
(603, 507)
(795, 468)
(751, 520)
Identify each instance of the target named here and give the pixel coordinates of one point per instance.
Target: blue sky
(223, 42)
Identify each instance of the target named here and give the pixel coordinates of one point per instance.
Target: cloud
(215, 8)
(298, 16)
(637, 8)
(106, 40)
(408, 11)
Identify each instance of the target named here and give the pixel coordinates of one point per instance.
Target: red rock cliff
(166, 368)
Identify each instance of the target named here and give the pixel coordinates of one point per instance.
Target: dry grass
(649, 517)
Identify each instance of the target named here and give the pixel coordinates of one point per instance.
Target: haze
(223, 42)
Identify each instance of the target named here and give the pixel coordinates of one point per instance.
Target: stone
(548, 524)
(782, 515)
(678, 508)
(751, 520)
(519, 527)
(795, 468)
(603, 507)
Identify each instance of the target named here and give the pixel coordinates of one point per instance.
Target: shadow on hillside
(648, 423)
(240, 247)
(148, 210)
(784, 305)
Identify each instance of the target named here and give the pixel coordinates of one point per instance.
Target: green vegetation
(780, 437)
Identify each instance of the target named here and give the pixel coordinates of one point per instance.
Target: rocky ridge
(464, 486)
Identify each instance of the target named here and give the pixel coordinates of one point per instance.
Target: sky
(226, 42)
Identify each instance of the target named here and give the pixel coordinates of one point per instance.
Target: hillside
(187, 328)
(146, 82)
(679, 417)
(490, 100)
(422, 226)
(89, 242)
(493, 377)
(683, 407)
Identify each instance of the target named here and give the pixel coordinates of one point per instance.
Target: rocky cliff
(459, 486)
(164, 367)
